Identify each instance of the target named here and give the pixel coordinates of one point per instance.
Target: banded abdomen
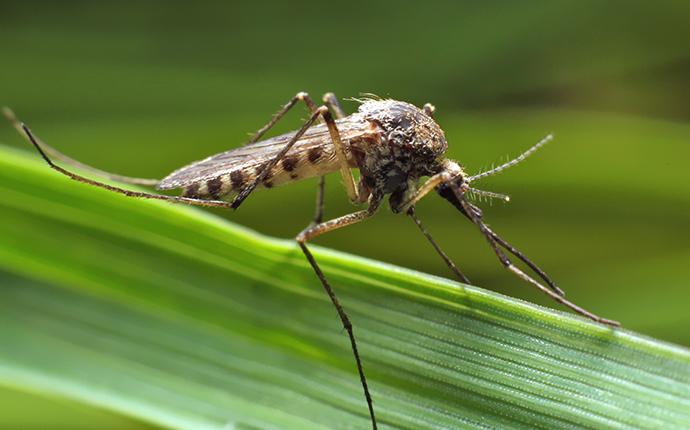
(226, 173)
(293, 167)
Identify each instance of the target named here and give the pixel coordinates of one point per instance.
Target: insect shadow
(393, 145)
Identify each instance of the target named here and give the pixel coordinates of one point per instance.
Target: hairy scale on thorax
(404, 145)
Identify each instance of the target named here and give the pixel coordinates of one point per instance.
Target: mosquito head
(457, 186)
(453, 177)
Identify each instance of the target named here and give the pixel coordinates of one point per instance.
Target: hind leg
(7, 112)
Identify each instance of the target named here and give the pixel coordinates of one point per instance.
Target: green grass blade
(179, 318)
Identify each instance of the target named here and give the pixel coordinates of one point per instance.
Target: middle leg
(317, 230)
(451, 265)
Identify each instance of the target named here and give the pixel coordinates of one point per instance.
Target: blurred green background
(143, 88)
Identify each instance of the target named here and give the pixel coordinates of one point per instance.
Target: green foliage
(176, 317)
(142, 88)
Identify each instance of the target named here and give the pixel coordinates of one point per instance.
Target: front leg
(426, 188)
(495, 243)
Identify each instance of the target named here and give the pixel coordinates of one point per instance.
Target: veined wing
(313, 154)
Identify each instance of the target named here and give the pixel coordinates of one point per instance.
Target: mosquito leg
(522, 257)
(345, 171)
(451, 265)
(505, 261)
(425, 189)
(318, 215)
(330, 100)
(320, 193)
(129, 193)
(7, 112)
(319, 112)
(517, 253)
(325, 114)
(301, 96)
(319, 229)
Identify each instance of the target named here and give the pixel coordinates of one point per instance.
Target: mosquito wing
(312, 155)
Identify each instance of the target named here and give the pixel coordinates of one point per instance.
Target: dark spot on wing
(289, 163)
(258, 170)
(237, 179)
(314, 154)
(294, 175)
(192, 191)
(267, 179)
(214, 185)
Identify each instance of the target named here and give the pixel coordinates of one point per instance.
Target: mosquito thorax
(406, 125)
(407, 145)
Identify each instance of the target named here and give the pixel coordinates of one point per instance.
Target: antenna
(512, 162)
(489, 194)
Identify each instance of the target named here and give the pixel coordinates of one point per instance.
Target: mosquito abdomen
(315, 162)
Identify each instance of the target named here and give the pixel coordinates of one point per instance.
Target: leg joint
(323, 111)
(304, 236)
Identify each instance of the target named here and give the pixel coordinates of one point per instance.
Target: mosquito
(393, 145)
